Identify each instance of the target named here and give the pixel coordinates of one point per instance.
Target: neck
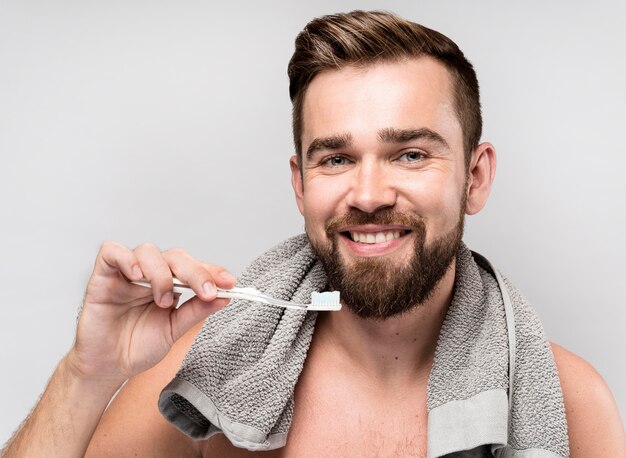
(392, 349)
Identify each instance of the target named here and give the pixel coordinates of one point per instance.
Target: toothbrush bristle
(327, 299)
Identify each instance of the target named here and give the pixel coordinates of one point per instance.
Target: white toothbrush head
(328, 300)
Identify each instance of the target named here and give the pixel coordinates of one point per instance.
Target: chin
(380, 282)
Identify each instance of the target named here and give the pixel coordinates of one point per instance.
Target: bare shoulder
(593, 420)
(133, 426)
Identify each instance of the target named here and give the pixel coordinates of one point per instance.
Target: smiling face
(383, 181)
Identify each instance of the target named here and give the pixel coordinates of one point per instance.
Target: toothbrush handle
(249, 294)
(257, 296)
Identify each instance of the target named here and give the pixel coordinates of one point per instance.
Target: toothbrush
(326, 301)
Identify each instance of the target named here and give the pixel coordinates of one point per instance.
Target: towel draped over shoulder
(493, 386)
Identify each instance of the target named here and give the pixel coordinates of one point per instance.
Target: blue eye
(412, 156)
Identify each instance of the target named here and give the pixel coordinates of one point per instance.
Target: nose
(372, 188)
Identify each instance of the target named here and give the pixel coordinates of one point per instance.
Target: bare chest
(351, 423)
(345, 427)
(347, 416)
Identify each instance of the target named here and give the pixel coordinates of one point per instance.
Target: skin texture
(357, 371)
(593, 420)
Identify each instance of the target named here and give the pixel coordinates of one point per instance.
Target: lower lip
(374, 249)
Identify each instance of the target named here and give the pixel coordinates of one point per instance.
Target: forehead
(362, 100)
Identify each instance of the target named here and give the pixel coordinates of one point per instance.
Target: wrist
(76, 374)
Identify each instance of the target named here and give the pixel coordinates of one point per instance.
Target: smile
(375, 237)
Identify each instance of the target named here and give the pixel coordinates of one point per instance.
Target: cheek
(449, 195)
(322, 199)
(437, 199)
(431, 190)
(450, 199)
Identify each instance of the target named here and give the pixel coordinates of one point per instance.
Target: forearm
(64, 419)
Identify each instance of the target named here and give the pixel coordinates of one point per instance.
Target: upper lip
(370, 228)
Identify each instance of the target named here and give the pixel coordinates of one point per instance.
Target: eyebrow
(392, 135)
(386, 135)
(330, 143)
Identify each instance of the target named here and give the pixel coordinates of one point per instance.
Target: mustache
(385, 216)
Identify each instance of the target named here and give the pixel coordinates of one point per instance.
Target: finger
(157, 272)
(223, 278)
(191, 312)
(192, 272)
(113, 258)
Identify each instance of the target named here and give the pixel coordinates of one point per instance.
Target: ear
(296, 183)
(482, 170)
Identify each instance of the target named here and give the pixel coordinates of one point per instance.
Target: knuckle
(158, 269)
(163, 269)
(215, 269)
(147, 246)
(211, 267)
(177, 252)
(202, 274)
(108, 245)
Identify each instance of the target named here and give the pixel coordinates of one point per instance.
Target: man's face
(382, 189)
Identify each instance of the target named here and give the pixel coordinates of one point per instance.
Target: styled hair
(361, 38)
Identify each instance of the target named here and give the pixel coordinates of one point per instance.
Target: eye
(412, 156)
(335, 161)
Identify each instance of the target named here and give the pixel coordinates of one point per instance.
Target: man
(387, 131)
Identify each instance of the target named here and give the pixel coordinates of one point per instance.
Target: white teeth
(374, 237)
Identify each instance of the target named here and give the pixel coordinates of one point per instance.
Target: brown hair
(365, 37)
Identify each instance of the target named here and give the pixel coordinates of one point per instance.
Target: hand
(124, 328)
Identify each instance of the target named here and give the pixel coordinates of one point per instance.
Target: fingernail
(209, 289)
(227, 276)
(137, 272)
(167, 299)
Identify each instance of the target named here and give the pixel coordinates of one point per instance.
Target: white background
(169, 122)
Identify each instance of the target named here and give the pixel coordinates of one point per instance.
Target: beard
(377, 287)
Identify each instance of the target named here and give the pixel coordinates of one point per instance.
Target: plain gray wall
(169, 122)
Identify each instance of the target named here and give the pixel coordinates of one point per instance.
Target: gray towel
(239, 375)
